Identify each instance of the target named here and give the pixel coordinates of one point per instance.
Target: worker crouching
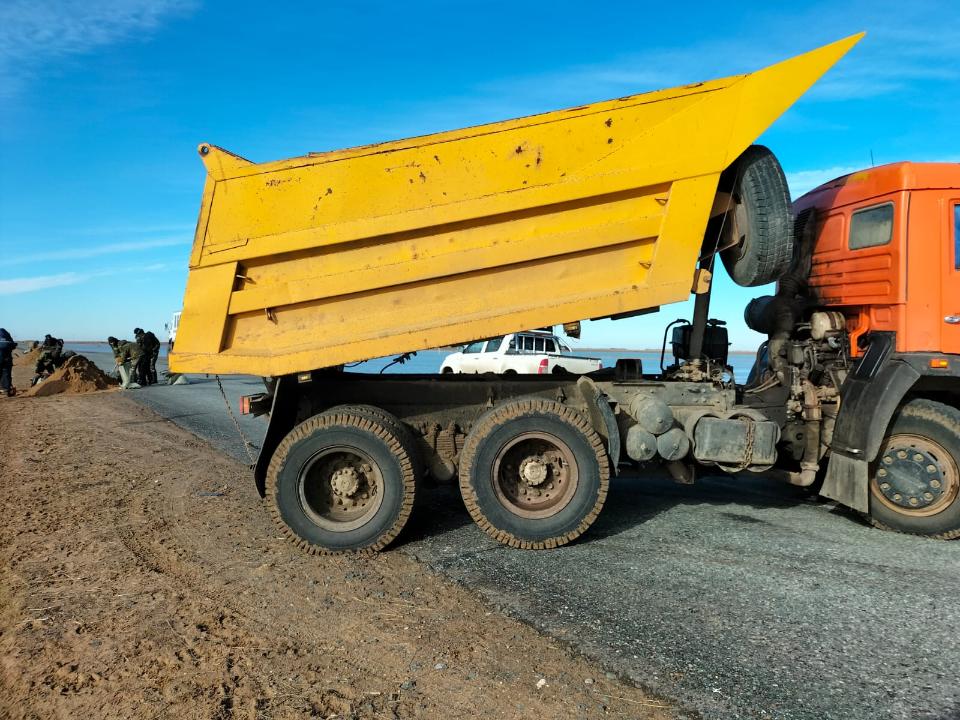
(127, 357)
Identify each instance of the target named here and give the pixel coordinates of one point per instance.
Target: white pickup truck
(524, 353)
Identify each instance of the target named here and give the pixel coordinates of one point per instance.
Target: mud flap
(871, 395)
(602, 419)
(283, 415)
(847, 482)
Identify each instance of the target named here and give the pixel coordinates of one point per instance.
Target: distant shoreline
(651, 350)
(580, 350)
(456, 348)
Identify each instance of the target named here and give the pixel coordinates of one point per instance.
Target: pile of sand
(26, 357)
(76, 375)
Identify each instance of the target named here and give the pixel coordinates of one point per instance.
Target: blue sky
(102, 105)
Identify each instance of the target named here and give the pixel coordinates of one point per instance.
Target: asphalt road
(736, 597)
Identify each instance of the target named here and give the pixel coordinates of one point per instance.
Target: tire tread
(493, 419)
(360, 422)
(936, 412)
(761, 177)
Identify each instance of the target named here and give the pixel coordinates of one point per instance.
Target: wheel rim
(535, 475)
(915, 476)
(340, 488)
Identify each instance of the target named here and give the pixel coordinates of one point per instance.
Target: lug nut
(902, 454)
(918, 457)
(928, 496)
(931, 469)
(898, 497)
(934, 483)
(881, 472)
(887, 460)
(913, 501)
(884, 486)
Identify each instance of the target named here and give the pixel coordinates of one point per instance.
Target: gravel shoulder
(140, 577)
(737, 597)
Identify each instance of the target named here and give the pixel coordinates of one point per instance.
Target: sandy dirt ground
(140, 577)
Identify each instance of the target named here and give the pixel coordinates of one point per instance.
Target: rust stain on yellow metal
(437, 240)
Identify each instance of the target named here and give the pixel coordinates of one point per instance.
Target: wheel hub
(535, 475)
(533, 471)
(340, 488)
(345, 482)
(910, 477)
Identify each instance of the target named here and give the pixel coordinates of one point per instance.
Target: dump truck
(302, 267)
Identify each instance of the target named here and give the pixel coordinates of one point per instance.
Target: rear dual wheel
(534, 474)
(403, 432)
(342, 481)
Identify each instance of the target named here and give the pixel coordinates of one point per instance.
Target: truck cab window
(473, 348)
(528, 343)
(871, 227)
(539, 345)
(493, 344)
(551, 348)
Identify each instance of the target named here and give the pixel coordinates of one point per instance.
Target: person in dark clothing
(153, 342)
(7, 345)
(143, 362)
(51, 359)
(51, 343)
(149, 352)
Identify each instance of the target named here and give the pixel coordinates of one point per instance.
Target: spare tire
(758, 234)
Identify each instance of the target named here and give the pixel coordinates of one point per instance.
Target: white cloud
(803, 181)
(135, 229)
(152, 268)
(16, 286)
(904, 44)
(82, 252)
(36, 32)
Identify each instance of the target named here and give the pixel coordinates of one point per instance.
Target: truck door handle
(952, 319)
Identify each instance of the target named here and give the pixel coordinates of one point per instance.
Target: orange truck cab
(886, 254)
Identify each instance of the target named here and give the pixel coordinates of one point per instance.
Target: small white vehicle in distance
(533, 352)
(171, 329)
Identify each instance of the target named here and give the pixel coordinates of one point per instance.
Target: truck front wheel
(534, 474)
(341, 482)
(915, 481)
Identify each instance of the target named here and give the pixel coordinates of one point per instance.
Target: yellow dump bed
(438, 240)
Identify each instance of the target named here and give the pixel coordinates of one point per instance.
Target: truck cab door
(950, 297)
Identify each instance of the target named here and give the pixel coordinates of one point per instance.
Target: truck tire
(763, 252)
(915, 481)
(533, 474)
(341, 482)
(404, 433)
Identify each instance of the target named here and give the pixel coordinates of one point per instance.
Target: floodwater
(429, 361)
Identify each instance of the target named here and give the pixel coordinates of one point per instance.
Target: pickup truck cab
(523, 353)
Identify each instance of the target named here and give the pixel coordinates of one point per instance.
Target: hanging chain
(246, 443)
